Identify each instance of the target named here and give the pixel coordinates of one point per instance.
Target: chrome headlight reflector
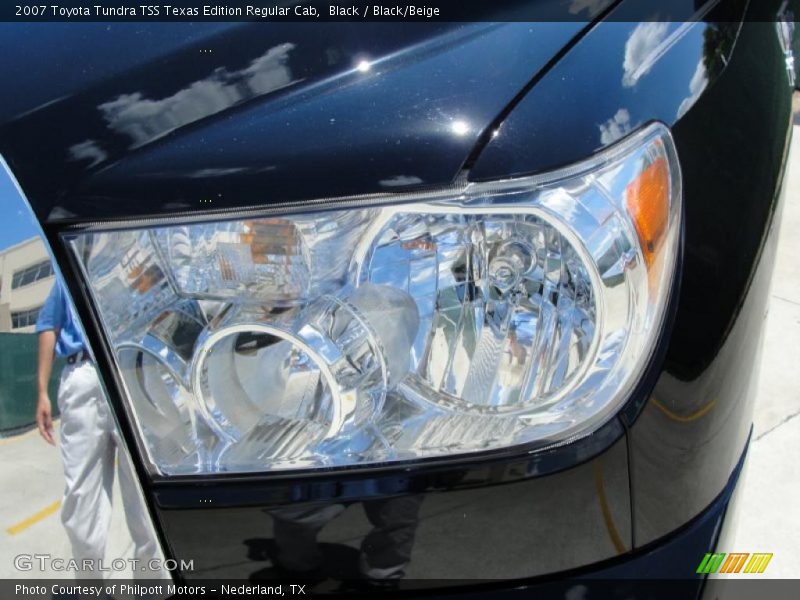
(505, 313)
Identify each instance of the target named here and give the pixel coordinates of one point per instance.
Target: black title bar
(358, 10)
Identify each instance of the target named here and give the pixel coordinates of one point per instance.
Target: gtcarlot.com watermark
(48, 562)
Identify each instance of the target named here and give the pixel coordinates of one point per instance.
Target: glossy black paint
(731, 134)
(609, 85)
(647, 572)
(514, 530)
(376, 481)
(664, 569)
(645, 474)
(696, 422)
(273, 114)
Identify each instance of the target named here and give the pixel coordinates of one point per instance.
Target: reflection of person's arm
(47, 345)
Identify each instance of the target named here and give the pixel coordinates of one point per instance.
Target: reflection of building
(26, 277)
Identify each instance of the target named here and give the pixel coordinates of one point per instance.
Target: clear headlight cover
(514, 312)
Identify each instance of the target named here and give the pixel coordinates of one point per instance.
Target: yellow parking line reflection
(35, 518)
(684, 418)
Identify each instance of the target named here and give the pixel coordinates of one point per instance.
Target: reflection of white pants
(89, 441)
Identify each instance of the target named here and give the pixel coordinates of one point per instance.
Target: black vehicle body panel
(337, 132)
(273, 115)
(475, 533)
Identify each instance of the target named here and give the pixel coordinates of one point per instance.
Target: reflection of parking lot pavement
(30, 511)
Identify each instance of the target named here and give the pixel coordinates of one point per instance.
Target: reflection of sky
(616, 128)
(641, 49)
(696, 87)
(398, 112)
(56, 60)
(16, 223)
(654, 83)
(145, 119)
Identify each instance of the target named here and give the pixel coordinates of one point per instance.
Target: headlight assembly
(506, 313)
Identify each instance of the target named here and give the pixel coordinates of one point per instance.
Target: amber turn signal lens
(647, 200)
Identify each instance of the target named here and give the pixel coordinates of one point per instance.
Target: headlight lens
(503, 314)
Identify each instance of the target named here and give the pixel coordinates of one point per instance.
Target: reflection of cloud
(696, 86)
(577, 592)
(215, 172)
(268, 72)
(144, 120)
(209, 172)
(88, 150)
(60, 213)
(641, 50)
(616, 127)
(592, 7)
(400, 180)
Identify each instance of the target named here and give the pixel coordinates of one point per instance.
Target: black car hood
(108, 121)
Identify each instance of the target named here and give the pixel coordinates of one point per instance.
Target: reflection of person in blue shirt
(57, 315)
(88, 437)
(58, 332)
